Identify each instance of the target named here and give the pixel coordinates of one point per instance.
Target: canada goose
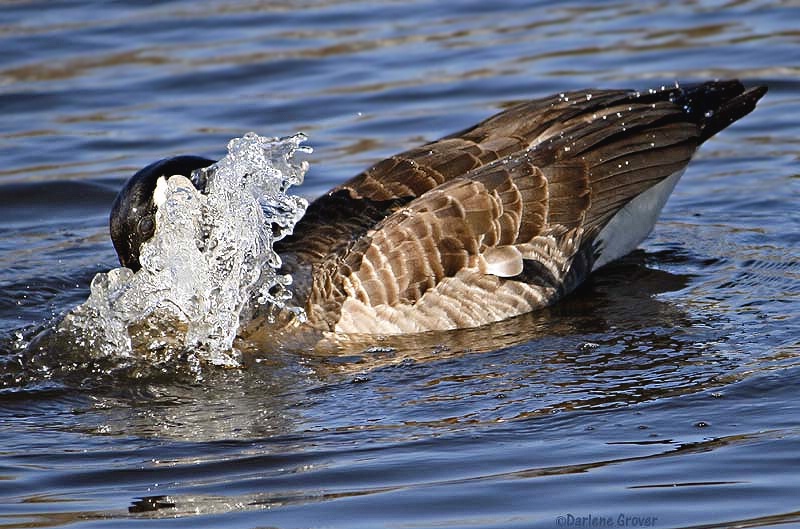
(494, 221)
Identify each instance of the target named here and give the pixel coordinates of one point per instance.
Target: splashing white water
(210, 262)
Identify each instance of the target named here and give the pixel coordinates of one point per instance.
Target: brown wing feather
(339, 215)
(472, 224)
(498, 219)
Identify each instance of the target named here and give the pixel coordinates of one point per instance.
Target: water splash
(210, 263)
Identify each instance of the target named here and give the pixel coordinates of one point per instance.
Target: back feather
(500, 216)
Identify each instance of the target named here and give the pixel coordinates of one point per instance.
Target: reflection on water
(666, 386)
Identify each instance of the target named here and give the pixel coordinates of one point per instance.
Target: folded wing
(502, 218)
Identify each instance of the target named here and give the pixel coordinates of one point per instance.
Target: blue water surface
(662, 394)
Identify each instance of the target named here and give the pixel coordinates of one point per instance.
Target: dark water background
(665, 389)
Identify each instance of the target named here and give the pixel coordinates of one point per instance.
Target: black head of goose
(494, 221)
(132, 221)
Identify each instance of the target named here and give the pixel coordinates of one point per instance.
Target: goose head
(133, 214)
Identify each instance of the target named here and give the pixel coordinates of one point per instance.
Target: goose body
(497, 220)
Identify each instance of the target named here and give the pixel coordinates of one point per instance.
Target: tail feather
(716, 104)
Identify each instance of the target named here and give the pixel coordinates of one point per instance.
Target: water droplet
(709, 113)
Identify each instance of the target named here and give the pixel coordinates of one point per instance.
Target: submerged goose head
(132, 219)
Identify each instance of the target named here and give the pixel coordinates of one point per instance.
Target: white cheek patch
(160, 194)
